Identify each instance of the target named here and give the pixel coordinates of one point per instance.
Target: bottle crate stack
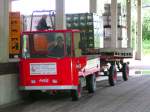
(121, 26)
(91, 27)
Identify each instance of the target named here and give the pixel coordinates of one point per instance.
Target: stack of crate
(91, 27)
(121, 30)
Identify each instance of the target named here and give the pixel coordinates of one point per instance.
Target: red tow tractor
(43, 68)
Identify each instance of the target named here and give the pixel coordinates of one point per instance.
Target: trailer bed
(112, 52)
(116, 52)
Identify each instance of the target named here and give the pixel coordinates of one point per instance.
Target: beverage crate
(122, 43)
(92, 26)
(122, 32)
(121, 21)
(120, 9)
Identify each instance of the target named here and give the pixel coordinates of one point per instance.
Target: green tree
(146, 28)
(146, 20)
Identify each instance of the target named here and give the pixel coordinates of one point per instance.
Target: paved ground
(130, 96)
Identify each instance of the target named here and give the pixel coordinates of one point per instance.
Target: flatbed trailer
(116, 59)
(112, 60)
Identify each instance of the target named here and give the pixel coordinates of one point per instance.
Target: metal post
(128, 2)
(93, 6)
(114, 24)
(60, 14)
(139, 30)
(4, 30)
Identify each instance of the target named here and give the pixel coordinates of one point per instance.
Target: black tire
(30, 95)
(35, 95)
(24, 95)
(91, 83)
(76, 94)
(112, 77)
(125, 71)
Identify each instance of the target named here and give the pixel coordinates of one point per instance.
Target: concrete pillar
(10, 6)
(129, 22)
(93, 6)
(60, 14)
(4, 30)
(138, 55)
(114, 24)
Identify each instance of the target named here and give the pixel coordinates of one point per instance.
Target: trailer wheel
(106, 73)
(76, 94)
(112, 75)
(91, 83)
(125, 71)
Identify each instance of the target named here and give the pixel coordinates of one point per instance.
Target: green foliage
(146, 21)
(145, 1)
(146, 28)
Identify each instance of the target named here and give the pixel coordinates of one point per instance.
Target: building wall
(9, 88)
(9, 75)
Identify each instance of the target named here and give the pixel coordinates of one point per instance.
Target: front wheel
(76, 94)
(112, 75)
(91, 83)
(34, 95)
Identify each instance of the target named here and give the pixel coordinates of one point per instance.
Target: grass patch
(146, 72)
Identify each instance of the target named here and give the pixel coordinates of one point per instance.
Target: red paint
(69, 69)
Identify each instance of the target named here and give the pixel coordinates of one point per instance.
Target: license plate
(43, 69)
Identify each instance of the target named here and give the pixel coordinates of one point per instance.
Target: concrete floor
(130, 96)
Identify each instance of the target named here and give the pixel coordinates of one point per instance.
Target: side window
(68, 44)
(40, 42)
(58, 50)
(77, 49)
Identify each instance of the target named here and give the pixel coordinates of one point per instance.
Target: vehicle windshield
(43, 45)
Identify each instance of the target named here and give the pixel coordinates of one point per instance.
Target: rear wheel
(91, 83)
(112, 75)
(125, 71)
(76, 94)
